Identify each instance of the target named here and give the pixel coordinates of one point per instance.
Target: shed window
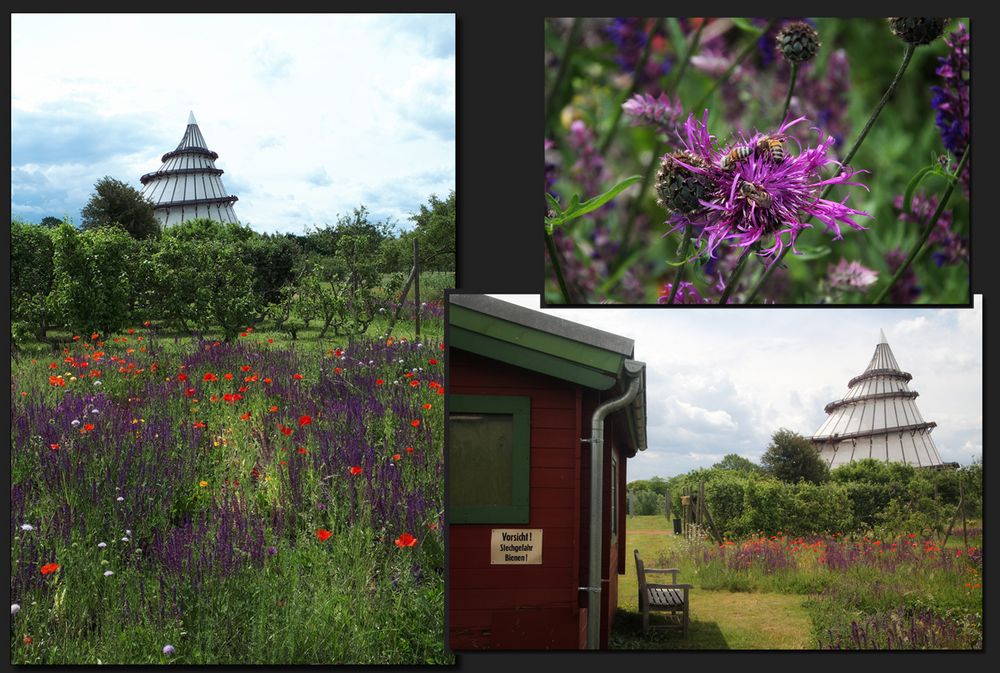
(488, 459)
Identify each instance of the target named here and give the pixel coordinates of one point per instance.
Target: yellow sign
(516, 546)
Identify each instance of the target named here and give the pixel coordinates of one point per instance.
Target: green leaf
(915, 181)
(807, 252)
(676, 35)
(553, 203)
(744, 24)
(577, 209)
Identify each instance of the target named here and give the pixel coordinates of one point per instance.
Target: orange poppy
(356, 470)
(323, 534)
(406, 540)
(49, 568)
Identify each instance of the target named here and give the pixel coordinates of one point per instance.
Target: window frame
(520, 408)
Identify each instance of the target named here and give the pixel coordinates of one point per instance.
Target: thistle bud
(917, 30)
(798, 42)
(680, 189)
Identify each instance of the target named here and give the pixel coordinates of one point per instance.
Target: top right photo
(740, 161)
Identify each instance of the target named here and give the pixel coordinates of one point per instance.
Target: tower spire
(881, 334)
(191, 119)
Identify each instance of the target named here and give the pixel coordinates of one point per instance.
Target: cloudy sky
(723, 380)
(311, 115)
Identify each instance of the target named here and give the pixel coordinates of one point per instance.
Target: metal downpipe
(634, 370)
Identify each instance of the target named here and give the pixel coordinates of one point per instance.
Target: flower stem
(737, 272)
(907, 55)
(928, 228)
(791, 88)
(554, 257)
(682, 68)
(550, 105)
(660, 147)
(640, 69)
(680, 270)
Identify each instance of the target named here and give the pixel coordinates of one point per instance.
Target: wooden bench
(671, 598)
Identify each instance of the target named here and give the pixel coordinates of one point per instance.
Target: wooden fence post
(416, 287)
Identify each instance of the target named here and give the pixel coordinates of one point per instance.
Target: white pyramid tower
(878, 418)
(188, 185)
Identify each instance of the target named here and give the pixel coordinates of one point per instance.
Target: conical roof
(188, 185)
(877, 418)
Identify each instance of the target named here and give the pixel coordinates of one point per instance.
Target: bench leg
(685, 620)
(645, 622)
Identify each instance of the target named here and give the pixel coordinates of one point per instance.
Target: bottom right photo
(715, 479)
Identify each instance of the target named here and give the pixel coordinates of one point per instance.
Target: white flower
(124, 539)
(75, 423)
(120, 499)
(128, 531)
(109, 573)
(14, 609)
(27, 526)
(102, 545)
(97, 383)
(95, 411)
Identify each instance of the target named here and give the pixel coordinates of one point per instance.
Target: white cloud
(369, 100)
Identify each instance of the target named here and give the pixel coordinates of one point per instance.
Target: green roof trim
(527, 358)
(536, 340)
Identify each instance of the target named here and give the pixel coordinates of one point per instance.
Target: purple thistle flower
(758, 196)
(850, 276)
(645, 109)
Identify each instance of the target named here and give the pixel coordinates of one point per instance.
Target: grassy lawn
(720, 620)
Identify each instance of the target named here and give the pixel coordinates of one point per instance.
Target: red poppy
(228, 376)
(302, 451)
(441, 345)
(243, 389)
(245, 417)
(49, 568)
(243, 334)
(406, 540)
(337, 370)
(189, 392)
(267, 380)
(182, 377)
(131, 330)
(356, 470)
(274, 407)
(215, 398)
(147, 324)
(245, 368)
(200, 424)
(409, 449)
(379, 382)
(414, 383)
(210, 377)
(94, 336)
(87, 427)
(27, 640)
(323, 534)
(53, 365)
(54, 447)
(284, 430)
(305, 420)
(428, 406)
(415, 422)
(440, 391)
(396, 456)
(337, 353)
(432, 361)
(297, 377)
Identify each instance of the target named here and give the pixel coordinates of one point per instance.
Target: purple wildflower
(629, 35)
(550, 173)
(850, 276)
(168, 650)
(589, 166)
(687, 293)
(758, 196)
(906, 290)
(951, 100)
(949, 247)
(645, 109)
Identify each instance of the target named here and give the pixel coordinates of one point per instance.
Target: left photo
(227, 337)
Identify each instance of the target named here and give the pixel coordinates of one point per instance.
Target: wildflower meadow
(179, 500)
(787, 161)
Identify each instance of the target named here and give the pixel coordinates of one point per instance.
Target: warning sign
(516, 546)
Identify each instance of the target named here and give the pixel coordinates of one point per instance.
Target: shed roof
(544, 343)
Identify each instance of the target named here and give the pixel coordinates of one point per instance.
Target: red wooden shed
(529, 395)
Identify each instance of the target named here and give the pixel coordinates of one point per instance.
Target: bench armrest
(663, 570)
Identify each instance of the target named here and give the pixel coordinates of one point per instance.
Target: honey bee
(735, 155)
(772, 146)
(755, 193)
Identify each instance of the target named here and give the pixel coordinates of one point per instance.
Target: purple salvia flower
(759, 198)
(906, 290)
(589, 166)
(951, 99)
(629, 35)
(850, 276)
(646, 109)
(949, 247)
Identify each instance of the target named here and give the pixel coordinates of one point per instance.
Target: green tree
(435, 228)
(791, 457)
(92, 278)
(31, 275)
(115, 203)
(51, 222)
(737, 464)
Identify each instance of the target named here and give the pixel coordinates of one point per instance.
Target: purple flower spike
(645, 109)
(851, 276)
(687, 293)
(763, 192)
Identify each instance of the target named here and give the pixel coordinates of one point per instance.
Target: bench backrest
(640, 573)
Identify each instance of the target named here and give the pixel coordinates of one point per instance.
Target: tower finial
(882, 335)
(191, 119)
